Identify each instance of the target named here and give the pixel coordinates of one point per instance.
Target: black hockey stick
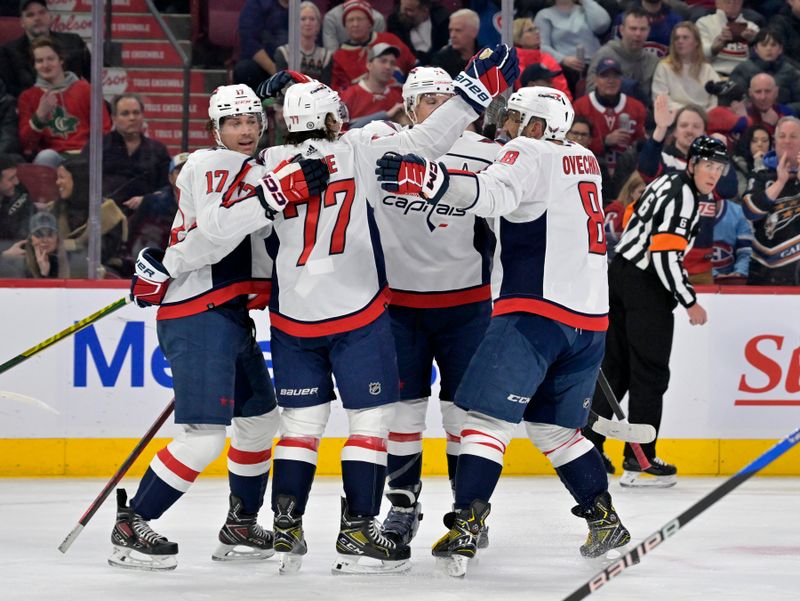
(615, 407)
(635, 555)
(115, 479)
(78, 325)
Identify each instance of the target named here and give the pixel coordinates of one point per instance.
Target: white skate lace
(143, 530)
(378, 537)
(658, 461)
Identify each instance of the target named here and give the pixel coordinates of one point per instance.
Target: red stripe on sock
(492, 446)
(570, 442)
(465, 433)
(175, 466)
(304, 442)
(373, 443)
(401, 437)
(452, 437)
(248, 457)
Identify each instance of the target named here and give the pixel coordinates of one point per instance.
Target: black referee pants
(638, 346)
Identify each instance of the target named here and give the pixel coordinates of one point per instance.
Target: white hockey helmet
(425, 80)
(307, 105)
(545, 103)
(229, 101)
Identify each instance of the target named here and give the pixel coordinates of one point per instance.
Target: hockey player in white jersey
(438, 263)
(327, 309)
(542, 352)
(205, 283)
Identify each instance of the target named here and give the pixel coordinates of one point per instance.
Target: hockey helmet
(307, 105)
(709, 149)
(425, 80)
(545, 103)
(229, 101)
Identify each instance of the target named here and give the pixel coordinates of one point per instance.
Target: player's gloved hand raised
(151, 279)
(292, 180)
(487, 74)
(271, 87)
(413, 175)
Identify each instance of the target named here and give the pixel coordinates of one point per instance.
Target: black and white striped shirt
(662, 229)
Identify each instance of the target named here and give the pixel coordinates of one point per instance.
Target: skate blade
(241, 553)
(367, 565)
(128, 559)
(453, 566)
(482, 542)
(607, 558)
(290, 563)
(640, 480)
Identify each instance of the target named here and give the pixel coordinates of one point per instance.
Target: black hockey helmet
(709, 149)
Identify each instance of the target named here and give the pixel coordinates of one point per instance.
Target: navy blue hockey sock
(363, 486)
(404, 470)
(154, 496)
(250, 489)
(584, 477)
(476, 478)
(293, 478)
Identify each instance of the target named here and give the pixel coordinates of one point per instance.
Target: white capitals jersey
(329, 275)
(438, 256)
(551, 256)
(211, 256)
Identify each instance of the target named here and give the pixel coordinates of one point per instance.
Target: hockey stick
(115, 479)
(635, 555)
(627, 432)
(614, 404)
(78, 325)
(29, 400)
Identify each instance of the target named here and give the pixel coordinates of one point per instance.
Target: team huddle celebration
(378, 250)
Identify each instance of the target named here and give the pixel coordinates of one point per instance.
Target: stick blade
(638, 433)
(67, 542)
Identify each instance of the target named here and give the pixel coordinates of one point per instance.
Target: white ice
(746, 547)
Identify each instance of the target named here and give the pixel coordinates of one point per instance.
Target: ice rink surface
(746, 547)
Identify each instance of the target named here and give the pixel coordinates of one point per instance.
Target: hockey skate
(241, 538)
(606, 532)
(456, 548)
(290, 543)
(363, 549)
(136, 545)
(659, 475)
(402, 521)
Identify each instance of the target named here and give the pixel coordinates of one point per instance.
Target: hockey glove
(151, 279)
(413, 175)
(271, 87)
(293, 180)
(487, 74)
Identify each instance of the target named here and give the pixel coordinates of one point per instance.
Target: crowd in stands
(646, 77)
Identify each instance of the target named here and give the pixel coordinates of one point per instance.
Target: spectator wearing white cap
(376, 95)
(350, 60)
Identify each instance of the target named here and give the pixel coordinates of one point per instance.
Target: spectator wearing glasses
(528, 41)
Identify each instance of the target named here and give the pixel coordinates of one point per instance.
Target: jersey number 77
(339, 194)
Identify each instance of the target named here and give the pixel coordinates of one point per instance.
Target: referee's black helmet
(709, 149)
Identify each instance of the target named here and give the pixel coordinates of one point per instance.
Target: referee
(646, 282)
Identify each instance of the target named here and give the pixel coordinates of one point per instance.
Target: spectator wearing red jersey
(54, 113)
(376, 95)
(350, 60)
(528, 41)
(617, 119)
